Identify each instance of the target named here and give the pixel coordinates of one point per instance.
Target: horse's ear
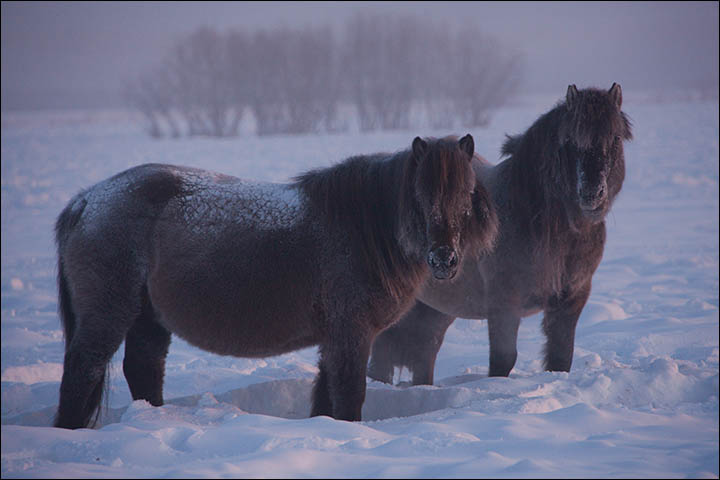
(616, 94)
(571, 96)
(467, 145)
(419, 148)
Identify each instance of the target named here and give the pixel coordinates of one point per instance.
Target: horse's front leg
(561, 317)
(340, 387)
(321, 402)
(502, 330)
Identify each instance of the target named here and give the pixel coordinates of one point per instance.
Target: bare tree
(393, 61)
(267, 77)
(138, 95)
(199, 68)
(150, 94)
(379, 62)
(435, 77)
(310, 89)
(165, 102)
(294, 80)
(483, 76)
(239, 78)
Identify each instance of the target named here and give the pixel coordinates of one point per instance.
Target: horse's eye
(468, 211)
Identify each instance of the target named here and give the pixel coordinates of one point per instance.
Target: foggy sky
(77, 54)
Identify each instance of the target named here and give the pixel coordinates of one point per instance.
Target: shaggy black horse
(257, 269)
(551, 196)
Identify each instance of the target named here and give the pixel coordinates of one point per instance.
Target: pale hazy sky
(76, 54)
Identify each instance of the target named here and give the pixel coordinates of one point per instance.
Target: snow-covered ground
(641, 400)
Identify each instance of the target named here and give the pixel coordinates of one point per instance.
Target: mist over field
(77, 55)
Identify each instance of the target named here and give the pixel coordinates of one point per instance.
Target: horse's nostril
(592, 196)
(442, 257)
(591, 201)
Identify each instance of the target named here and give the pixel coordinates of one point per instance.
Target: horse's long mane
(363, 195)
(536, 172)
(542, 176)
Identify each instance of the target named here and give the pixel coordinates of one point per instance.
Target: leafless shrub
(293, 80)
(483, 77)
(200, 70)
(380, 64)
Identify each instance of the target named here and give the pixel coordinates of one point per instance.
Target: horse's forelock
(446, 170)
(593, 119)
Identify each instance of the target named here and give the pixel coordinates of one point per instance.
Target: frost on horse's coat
(213, 200)
(208, 199)
(257, 269)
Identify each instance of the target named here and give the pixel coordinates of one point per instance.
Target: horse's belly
(244, 331)
(479, 289)
(251, 298)
(468, 308)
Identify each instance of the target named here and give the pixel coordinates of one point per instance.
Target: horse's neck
(384, 179)
(398, 270)
(390, 187)
(363, 197)
(526, 201)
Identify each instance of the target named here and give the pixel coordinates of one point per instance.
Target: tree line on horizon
(294, 80)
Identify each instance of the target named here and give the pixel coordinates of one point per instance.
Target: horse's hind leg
(382, 366)
(146, 347)
(413, 342)
(103, 302)
(96, 339)
(424, 341)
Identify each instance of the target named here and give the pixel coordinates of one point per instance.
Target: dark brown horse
(256, 269)
(551, 196)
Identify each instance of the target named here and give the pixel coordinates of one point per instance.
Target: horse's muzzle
(592, 193)
(594, 208)
(443, 262)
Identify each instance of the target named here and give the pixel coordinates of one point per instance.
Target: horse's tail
(66, 221)
(67, 318)
(67, 315)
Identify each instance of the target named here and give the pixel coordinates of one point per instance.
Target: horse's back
(133, 201)
(231, 268)
(114, 216)
(138, 190)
